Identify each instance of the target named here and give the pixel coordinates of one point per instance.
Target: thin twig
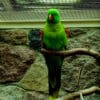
(85, 92)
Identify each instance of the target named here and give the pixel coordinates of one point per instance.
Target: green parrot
(54, 38)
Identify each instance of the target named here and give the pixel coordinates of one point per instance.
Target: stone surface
(79, 72)
(12, 92)
(15, 37)
(14, 61)
(36, 76)
(77, 31)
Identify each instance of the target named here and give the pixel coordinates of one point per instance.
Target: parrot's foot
(54, 96)
(51, 98)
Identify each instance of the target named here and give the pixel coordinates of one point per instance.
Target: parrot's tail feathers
(55, 94)
(53, 83)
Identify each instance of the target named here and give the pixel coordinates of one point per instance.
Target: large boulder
(14, 61)
(12, 92)
(15, 37)
(79, 72)
(36, 77)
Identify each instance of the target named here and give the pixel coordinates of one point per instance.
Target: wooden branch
(85, 92)
(80, 51)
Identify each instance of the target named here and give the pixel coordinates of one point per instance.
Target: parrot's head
(53, 16)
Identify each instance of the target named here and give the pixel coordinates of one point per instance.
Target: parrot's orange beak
(50, 17)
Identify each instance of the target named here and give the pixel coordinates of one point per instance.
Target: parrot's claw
(51, 98)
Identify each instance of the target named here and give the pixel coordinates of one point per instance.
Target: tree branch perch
(72, 52)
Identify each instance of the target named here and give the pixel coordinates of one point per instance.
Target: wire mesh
(36, 10)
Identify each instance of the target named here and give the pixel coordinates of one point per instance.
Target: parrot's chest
(54, 36)
(54, 33)
(54, 40)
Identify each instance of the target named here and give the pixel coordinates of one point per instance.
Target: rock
(80, 72)
(14, 61)
(36, 77)
(15, 37)
(77, 31)
(12, 92)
